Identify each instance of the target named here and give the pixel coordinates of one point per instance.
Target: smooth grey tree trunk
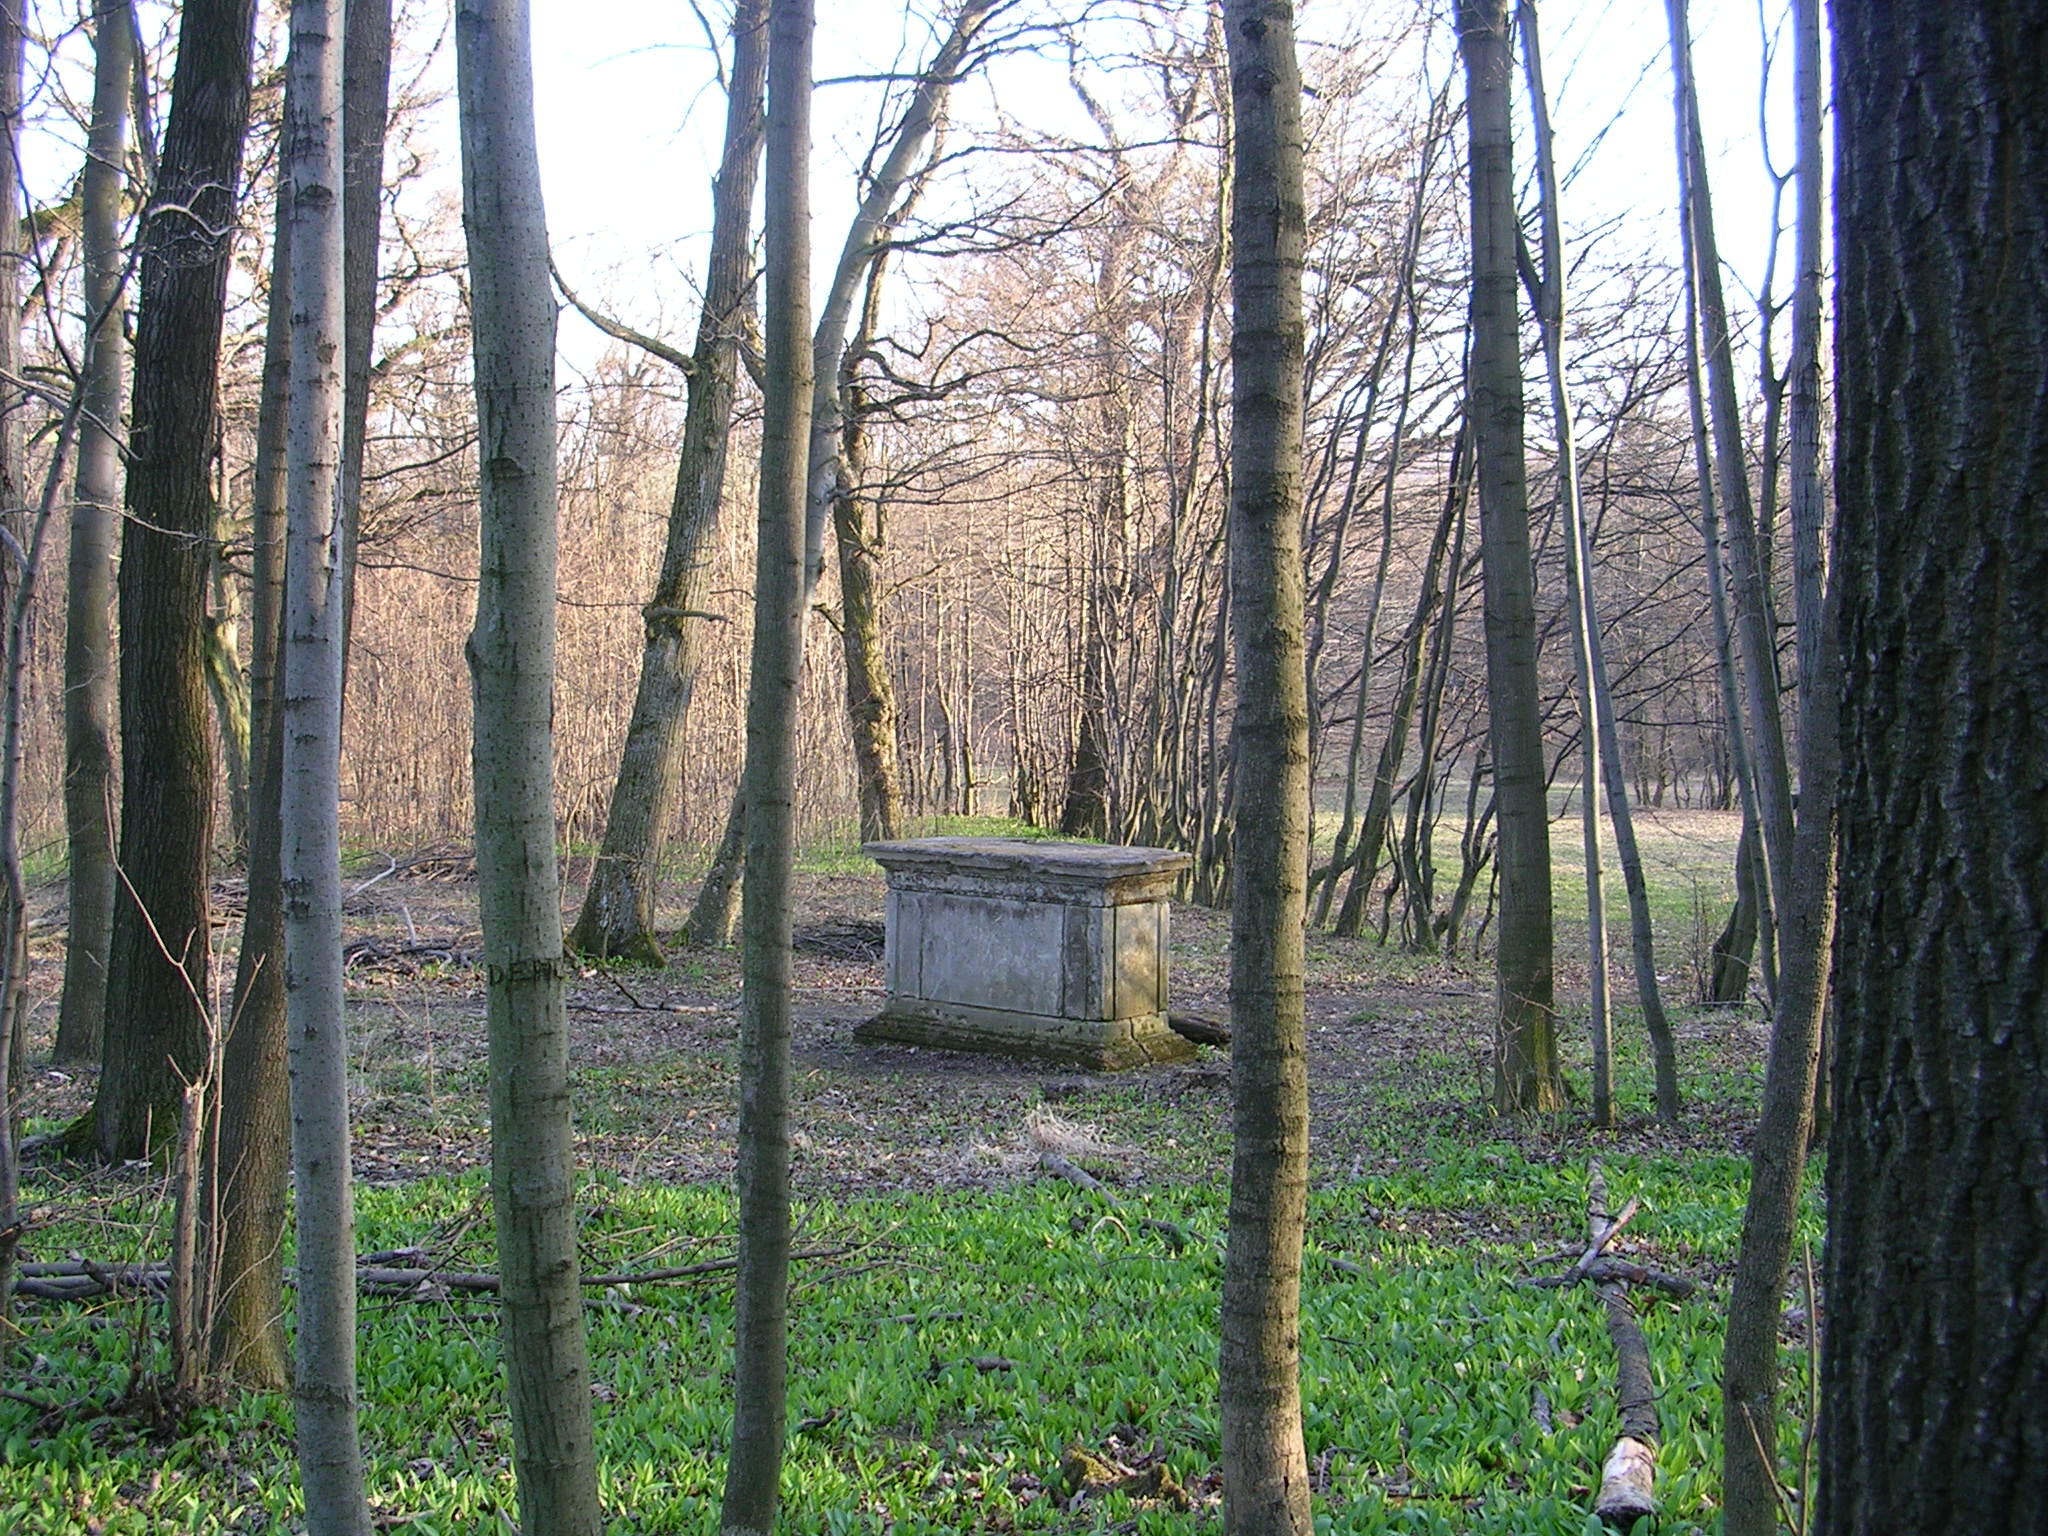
(1807, 911)
(1526, 1078)
(252, 1166)
(1265, 1468)
(365, 121)
(1936, 1351)
(1755, 640)
(89, 786)
(618, 912)
(1578, 570)
(512, 665)
(761, 1299)
(324, 1376)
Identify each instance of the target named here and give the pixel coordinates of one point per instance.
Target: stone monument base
(1105, 1044)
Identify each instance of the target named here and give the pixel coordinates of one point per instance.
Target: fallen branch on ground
(1605, 1271)
(1202, 1028)
(376, 1274)
(1177, 1237)
(1628, 1477)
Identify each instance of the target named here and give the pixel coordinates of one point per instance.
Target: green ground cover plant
(967, 1322)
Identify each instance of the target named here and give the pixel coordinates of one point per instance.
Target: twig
(384, 874)
(1604, 1232)
(625, 991)
(1062, 1168)
(1607, 1271)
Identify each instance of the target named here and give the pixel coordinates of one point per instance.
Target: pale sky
(630, 115)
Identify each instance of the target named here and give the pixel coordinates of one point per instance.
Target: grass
(975, 1321)
(940, 1365)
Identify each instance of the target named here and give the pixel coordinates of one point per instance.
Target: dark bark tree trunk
(1936, 1357)
(512, 665)
(1084, 808)
(88, 619)
(618, 912)
(1734, 948)
(1526, 1078)
(17, 580)
(157, 970)
(761, 1299)
(1265, 1470)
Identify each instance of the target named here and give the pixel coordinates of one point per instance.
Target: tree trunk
(761, 1298)
(712, 915)
(251, 1165)
(512, 664)
(245, 1207)
(1365, 854)
(1578, 573)
(157, 969)
(618, 912)
(1265, 1469)
(1642, 941)
(17, 579)
(1526, 1078)
(228, 689)
(88, 633)
(1807, 912)
(857, 534)
(309, 791)
(1445, 548)
(1728, 960)
(1937, 1257)
(365, 120)
(715, 912)
(1755, 640)
(1753, 914)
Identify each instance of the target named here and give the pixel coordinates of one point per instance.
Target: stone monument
(1043, 949)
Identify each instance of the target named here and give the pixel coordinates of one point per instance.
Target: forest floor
(1408, 1169)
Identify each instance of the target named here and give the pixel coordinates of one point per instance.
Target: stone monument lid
(1027, 857)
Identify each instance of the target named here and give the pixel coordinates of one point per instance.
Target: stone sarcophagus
(1041, 949)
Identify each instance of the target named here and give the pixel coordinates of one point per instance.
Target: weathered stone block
(1042, 949)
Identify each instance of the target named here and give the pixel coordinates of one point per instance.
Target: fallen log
(1202, 1028)
(1628, 1476)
